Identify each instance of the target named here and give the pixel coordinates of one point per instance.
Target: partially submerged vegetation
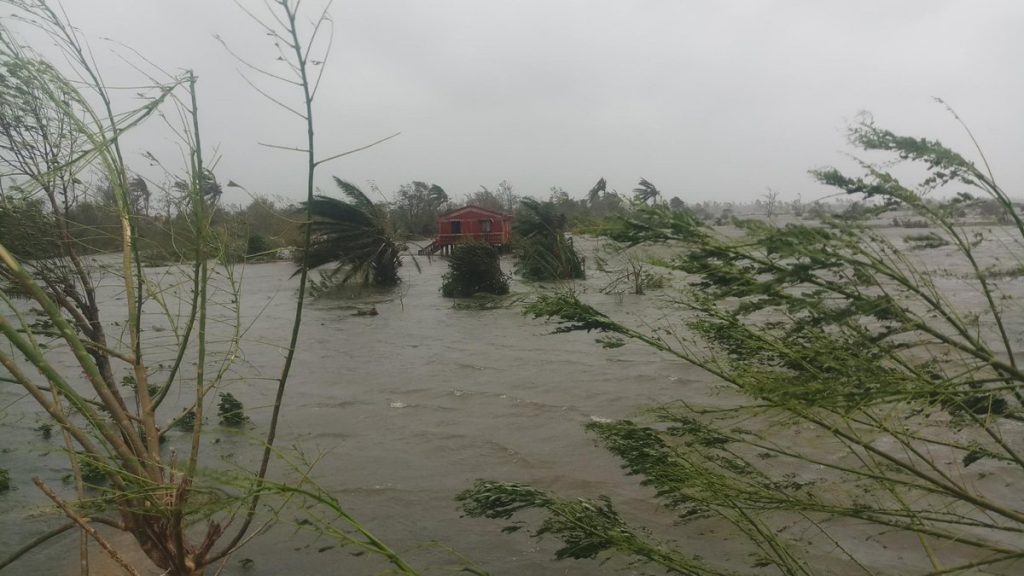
(356, 235)
(473, 268)
(543, 252)
(634, 271)
(230, 410)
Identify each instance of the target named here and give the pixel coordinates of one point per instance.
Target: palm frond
(356, 235)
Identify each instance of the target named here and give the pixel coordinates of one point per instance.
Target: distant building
(471, 223)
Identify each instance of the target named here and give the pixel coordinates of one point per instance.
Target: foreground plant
(178, 521)
(877, 406)
(78, 129)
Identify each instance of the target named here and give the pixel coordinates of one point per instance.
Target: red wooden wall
(473, 222)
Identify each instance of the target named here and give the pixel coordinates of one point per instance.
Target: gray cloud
(711, 100)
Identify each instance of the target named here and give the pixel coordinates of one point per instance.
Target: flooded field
(405, 409)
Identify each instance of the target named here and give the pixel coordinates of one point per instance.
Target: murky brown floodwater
(407, 409)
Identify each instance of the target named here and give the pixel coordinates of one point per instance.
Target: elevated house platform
(470, 223)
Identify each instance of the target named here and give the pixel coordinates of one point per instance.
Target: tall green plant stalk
(284, 28)
(149, 495)
(300, 52)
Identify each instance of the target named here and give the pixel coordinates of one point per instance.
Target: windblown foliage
(646, 192)
(357, 235)
(877, 403)
(416, 208)
(542, 250)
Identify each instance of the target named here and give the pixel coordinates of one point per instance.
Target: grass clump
(5, 480)
(473, 268)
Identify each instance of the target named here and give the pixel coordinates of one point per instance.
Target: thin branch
(316, 30)
(354, 150)
(289, 148)
(271, 98)
(83, 522)
(323, 61)
(251, 66)
(36, 542)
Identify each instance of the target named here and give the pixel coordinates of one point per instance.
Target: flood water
(402, 410)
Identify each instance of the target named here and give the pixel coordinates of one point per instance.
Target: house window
(456, 227)
(485, 226)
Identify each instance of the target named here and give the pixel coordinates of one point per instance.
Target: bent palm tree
(355, 234)
(436, 196)
(646, 192)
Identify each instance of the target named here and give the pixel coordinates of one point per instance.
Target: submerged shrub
(542, 250)
(231, 410)
(474, 267)
(925, 241)
(187, 422)
(5, 480)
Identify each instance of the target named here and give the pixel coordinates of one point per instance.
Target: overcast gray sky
(710, 100)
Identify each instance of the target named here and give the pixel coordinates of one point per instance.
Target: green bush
(257, 246)
(27, 229)
(5, 480)
(474, 267)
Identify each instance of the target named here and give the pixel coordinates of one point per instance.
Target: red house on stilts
(471, 223)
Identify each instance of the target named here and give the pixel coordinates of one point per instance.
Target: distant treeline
(263, 227)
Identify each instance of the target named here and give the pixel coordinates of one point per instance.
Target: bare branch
(271, 98)
(354, 150)
(251, 66)
(42, 539)
(83, 522)
(290, 148)
(324, 17)
(322, 62)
